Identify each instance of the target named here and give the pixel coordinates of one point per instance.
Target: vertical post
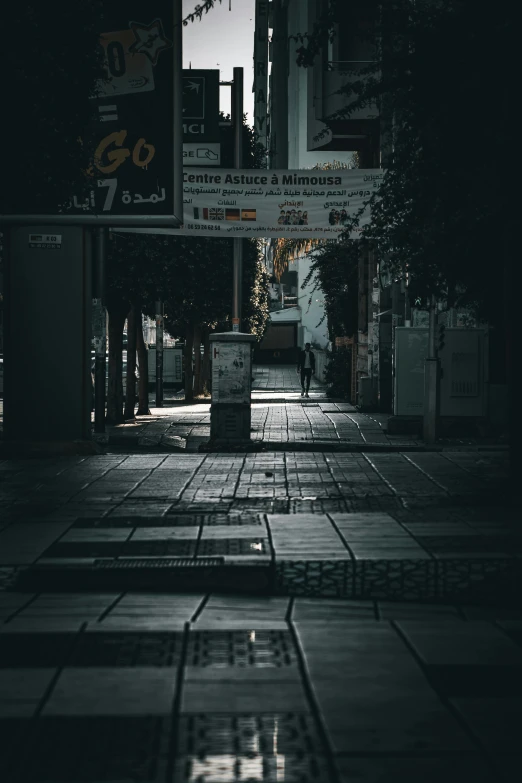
(431, 380)
(99, 328)
(237, 119)
(177, 141)
(159, 354)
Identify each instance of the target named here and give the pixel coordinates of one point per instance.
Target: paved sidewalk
(404, 526)
(328, 616)
(281, 419)
(204, 688)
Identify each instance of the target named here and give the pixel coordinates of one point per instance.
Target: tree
(438, 211)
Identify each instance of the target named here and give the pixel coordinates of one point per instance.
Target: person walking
(306, 366)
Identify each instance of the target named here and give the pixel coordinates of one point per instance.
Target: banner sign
(133, 124)
(276, 203)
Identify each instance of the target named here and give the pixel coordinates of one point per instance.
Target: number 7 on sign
(111, 184)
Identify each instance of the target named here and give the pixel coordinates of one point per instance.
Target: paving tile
(240, 697)
(397, 610)
(81, 606)
(43, 624)
(11, 602)
(328, 611)
(108, 691)
(22, 690)
(467, 643)
(23, 543)
(164, 533)
(252, 608)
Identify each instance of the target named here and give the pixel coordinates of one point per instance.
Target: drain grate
(102, 648)
(232, 546)
(103, 749)
(34, 650)
(267, 649)
(206, 735)
(172, 562)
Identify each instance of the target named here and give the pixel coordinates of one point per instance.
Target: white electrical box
(172, 365)
(464, 372)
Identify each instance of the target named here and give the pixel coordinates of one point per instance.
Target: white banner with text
(275, 203)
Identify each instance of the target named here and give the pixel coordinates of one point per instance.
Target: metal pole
(431, 380)
(99, 328)
(159, 354)
(177, 142)
(237, 119)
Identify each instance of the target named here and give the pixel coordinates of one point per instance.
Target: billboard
(200, 106)
(276, 203)
(133, 108)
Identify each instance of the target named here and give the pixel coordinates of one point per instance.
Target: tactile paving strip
(277, 768)
(102, 648)
(241, 648)
(34, 650)
(102, 749)
(288, 733)
(232, 546)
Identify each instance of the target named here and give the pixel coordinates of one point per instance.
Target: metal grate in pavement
(101, 648)
(34, 650)
(71, 749)
(232, 546)
(163, 563)
(272, 649)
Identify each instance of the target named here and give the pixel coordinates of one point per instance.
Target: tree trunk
(205, 365)
(198, 383)
(143, 363)
(115, 383)
(130, 396)
(189, 345)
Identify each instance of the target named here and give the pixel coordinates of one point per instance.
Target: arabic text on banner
(275, 203)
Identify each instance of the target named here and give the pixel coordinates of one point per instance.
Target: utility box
(230, 418)
(464, 372)
(48, 307)
(172, 366)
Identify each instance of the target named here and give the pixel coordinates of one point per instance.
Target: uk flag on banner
(214, 213)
